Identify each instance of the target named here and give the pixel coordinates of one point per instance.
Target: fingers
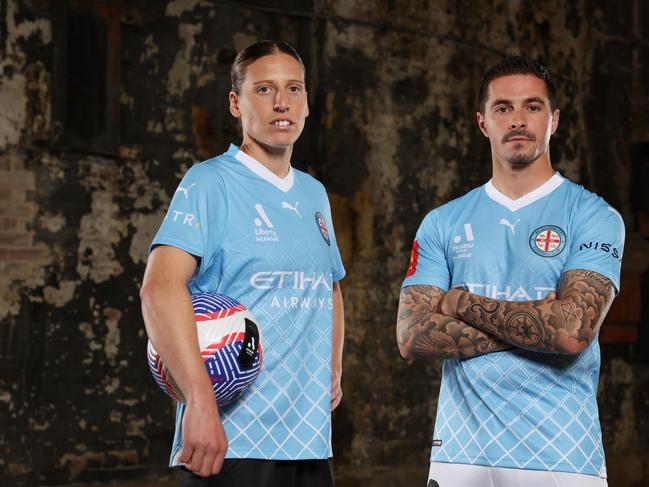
(336, 397)
(203, 462)
(217, 464)
(185, 455)
(196, 463)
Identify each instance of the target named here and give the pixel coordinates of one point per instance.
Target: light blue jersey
(517, 408)
(269, 243)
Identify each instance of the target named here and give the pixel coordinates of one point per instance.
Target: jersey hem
(424, 282)
(530, 466)
(260, 454)
(606, 273)
(175, 243)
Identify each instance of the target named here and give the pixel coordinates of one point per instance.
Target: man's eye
(264, 89)
(295, 89)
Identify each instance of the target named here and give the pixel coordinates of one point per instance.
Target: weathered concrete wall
(391, 134)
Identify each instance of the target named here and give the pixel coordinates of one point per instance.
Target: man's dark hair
(256, 51)
(515, 65)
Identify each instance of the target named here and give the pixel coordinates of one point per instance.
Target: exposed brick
(33, 254)
(8, 223)
(15, 238)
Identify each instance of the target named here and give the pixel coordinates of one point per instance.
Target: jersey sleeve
(598, 243)
(198, 206)
(337, 268)
(428, 265)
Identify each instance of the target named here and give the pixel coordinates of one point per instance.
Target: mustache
(518, 133)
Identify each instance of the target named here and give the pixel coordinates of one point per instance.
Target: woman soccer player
(248, 225)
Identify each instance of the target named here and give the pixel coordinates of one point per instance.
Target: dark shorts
(264, 473)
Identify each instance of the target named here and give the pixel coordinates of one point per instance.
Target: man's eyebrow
(501, 101)
(535, 99)
(505, 101)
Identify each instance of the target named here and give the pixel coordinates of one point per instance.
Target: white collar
(536, 194)
(283, 184)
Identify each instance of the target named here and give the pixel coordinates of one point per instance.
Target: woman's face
(272, 103)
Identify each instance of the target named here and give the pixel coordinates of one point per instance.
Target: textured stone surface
(391, 134)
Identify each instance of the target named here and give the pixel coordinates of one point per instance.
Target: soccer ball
(230, 343)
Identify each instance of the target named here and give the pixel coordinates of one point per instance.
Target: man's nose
(518, 121)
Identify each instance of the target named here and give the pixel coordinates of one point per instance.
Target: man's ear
(555, 120)
(481, 123)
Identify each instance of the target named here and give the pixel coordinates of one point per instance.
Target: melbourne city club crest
(322, 226)
(548, 241)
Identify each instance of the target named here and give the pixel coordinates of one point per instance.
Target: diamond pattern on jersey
(285, 414)
(516, 421)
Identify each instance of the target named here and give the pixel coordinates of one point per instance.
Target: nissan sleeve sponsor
(604, 247)
(297, 286)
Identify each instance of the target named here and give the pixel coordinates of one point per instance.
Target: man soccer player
(510, 284)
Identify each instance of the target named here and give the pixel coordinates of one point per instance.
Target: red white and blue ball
(231, 345)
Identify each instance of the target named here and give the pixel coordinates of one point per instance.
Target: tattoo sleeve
(422, 332)
(564, 325)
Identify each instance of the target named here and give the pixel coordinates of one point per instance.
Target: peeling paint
(53, 222)
(61, 295)
(112, 340)
(146, 226)
(176, 8)
(179, 76)
(99, 231)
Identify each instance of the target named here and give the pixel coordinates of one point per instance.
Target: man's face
(272, 104)
(518, 120)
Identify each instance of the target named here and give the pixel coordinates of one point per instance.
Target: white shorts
(460, 475)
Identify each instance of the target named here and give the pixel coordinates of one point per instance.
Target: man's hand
(336, 390)
(204, 441)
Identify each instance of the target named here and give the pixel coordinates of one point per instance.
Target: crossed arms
(459, 324)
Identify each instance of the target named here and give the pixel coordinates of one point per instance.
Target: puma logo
(288, 206)
(185, 191)
(510, 225)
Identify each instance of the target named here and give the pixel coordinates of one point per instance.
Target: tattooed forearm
(566, 324)
(424, 333)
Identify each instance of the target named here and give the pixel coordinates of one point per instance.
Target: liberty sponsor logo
(291, 207)
(264, 228)
(509, 293)
(297, 281)
(183, 218)
(548, 241)
(414, 257)
(511, 226)
(185, 191)
(322, 226)
(462, 244)
(607, 248)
